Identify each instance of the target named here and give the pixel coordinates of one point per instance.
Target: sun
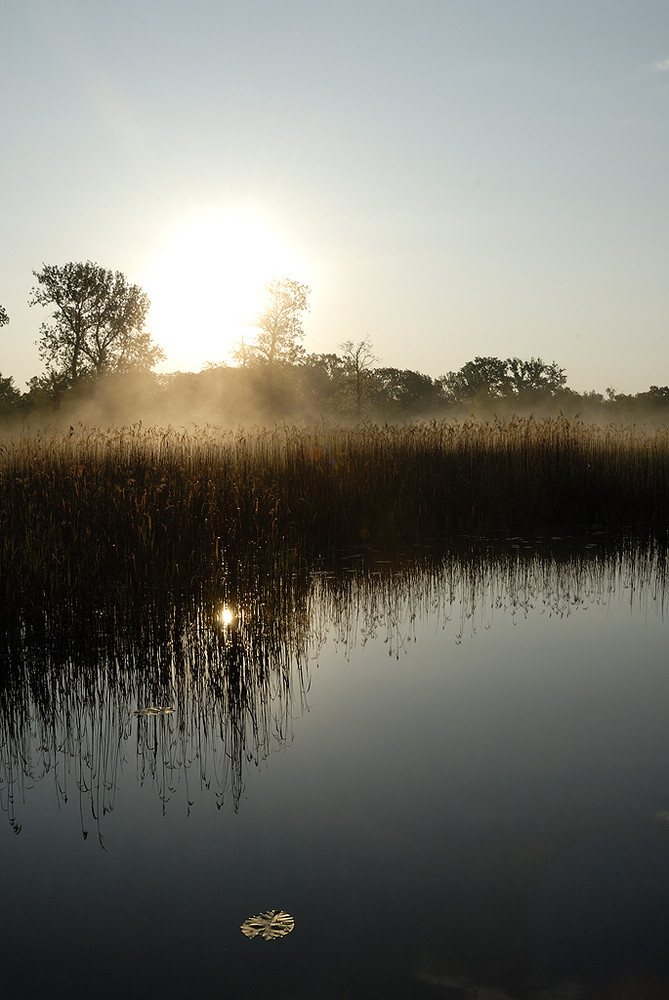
(206, 286)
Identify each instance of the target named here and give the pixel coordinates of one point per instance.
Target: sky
(451, 178)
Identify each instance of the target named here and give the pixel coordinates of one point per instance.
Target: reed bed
(148, 506)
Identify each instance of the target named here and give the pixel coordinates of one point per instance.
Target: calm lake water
(452, 772)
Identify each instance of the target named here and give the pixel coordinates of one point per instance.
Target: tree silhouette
(535, 377)
(406, 393)
(4, 318)
(9, 395)
(279, 324)
(481, 377)
(488, 378)
(98, 323)
(359, 360)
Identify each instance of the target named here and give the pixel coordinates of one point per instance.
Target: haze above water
(451, 769)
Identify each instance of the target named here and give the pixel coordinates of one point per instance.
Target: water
(452, 772)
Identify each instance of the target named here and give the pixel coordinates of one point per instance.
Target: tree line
(95, 344)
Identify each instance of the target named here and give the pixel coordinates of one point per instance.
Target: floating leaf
(269, 925)
(154, 710)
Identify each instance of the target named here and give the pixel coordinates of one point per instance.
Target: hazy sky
(452, 178)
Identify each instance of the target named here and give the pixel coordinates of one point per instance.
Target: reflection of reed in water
(69, 695)
(369, 597)
(71, 699)
(236, 685)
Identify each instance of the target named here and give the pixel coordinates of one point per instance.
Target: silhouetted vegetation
(133, 506)
(319, 387)
(279, 326)
(97, 323)
(100, 358)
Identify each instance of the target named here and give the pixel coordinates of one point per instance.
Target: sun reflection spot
(226, 616)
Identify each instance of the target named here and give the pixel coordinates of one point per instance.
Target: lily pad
(269, 925)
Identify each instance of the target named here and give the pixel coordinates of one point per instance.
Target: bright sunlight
(206, 287)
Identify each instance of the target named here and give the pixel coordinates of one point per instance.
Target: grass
(135, 508)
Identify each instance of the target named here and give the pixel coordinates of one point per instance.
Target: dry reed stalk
(135, 504)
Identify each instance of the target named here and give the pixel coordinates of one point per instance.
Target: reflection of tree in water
(69, 693)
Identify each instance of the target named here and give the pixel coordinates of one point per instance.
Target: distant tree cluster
(486, 380)
(97, 351)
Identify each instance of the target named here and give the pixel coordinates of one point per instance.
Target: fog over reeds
(321, 389)
(119, 509)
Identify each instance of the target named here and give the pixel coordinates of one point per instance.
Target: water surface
(452, 771)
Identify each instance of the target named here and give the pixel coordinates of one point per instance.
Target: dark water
(453, 773)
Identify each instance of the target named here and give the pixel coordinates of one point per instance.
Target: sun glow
(206, 287)
(226, 616)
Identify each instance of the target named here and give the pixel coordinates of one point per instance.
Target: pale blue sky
(456, 177)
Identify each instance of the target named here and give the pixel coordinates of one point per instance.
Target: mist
(306, 394)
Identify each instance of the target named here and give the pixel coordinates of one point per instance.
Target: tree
(46, 391)
(4, 318)
(359, 360)
(407, 393)
(324, 381)
(9, 395)
(489, 379)
(331, 366)
(243, 353)
(482, 377)
(98, 323)
(534, 377)
(279, 324)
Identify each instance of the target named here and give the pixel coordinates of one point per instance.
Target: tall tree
(359, 360)
(97, 325)
(279, 324)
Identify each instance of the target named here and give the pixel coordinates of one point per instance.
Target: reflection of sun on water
(207, 286)
(226, 616)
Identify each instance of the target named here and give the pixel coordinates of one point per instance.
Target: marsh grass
(136, 508)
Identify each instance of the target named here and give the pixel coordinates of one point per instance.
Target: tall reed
(134, 505)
